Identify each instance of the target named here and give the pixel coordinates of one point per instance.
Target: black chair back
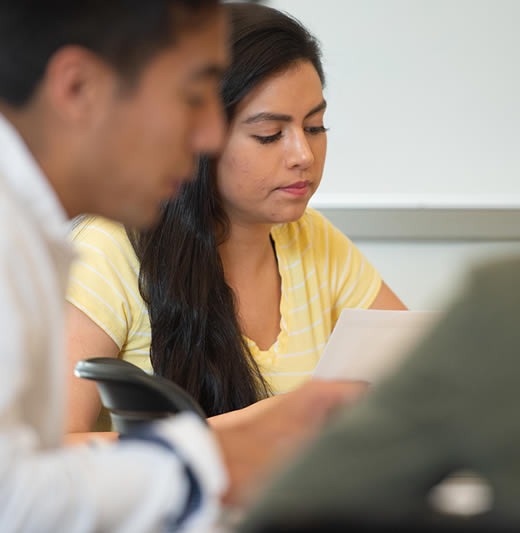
(131, 395)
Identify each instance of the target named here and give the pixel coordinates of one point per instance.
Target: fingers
(324, 396)
(268, 432)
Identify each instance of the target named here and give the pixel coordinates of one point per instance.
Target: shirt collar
(21, 173)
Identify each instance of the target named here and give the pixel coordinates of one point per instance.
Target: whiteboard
(424, 101)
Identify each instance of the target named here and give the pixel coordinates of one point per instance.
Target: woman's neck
(247, 250)
(251, 270)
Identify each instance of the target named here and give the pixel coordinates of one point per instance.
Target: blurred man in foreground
(103, 108)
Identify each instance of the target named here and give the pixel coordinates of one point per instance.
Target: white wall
(423, 95)
(424, 112)
(427, 274)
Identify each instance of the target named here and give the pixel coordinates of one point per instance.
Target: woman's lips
(300, 188)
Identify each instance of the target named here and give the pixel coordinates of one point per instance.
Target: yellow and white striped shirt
(322, 272)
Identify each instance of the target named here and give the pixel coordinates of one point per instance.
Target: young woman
(234, 293)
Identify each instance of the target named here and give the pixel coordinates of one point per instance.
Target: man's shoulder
(509, 265)
(500, 274)
(14, 222)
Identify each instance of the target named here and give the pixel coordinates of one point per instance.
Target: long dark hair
(196, 336)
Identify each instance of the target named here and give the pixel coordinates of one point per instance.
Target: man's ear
(76, 83)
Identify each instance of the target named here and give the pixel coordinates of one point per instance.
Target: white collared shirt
(134, 486)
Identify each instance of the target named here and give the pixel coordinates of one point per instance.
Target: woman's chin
(292, 214)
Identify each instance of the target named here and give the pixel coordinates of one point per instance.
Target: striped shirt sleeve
(356, 282)
(104, 277)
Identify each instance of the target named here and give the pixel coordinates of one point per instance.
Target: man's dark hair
(124, 33)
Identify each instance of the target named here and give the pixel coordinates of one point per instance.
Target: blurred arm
(386, 299)
(84, 339)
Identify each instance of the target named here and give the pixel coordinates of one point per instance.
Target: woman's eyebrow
(261, 117)
(317, 109)
(265, 116)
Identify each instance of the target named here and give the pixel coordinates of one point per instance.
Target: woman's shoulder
(102, 232)
(103, 236)
(91, 227)
(311, 226)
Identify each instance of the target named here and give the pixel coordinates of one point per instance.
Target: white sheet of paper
(368, 344)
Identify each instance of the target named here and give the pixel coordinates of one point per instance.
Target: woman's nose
(299, 152)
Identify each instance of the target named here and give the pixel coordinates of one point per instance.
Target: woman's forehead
(295, 92)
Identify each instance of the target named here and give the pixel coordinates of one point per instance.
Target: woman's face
(273, 158)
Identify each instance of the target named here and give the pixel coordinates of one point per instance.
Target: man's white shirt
(132, 486)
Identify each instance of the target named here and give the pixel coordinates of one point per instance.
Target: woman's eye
(268, 138)
(316, 130)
